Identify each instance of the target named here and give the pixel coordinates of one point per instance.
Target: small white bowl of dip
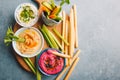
(26, 14)
(33, 42)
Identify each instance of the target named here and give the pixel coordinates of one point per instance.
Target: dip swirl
(32, 41)
(50, 63)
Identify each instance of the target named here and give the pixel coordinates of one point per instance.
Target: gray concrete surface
(99, 40)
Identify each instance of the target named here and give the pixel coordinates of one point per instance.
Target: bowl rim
(34, 8)
(28, 55)
(38, 57)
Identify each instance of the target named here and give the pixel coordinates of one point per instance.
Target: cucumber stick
(58, 18)
(47, 4)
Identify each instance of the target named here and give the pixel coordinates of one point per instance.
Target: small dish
(48, 21)
(33, 42)
(50, 64)
(26, 14)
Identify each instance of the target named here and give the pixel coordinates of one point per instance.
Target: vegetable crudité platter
(39, 23)
(59, 33)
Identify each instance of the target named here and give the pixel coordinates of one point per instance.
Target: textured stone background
(99, 40)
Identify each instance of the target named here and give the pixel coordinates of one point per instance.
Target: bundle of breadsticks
(69, 32)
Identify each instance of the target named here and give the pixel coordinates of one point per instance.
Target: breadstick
(63, 27)
(76, 55)
(71, 69)
(61, 55)
(60, 75)
(66, 37)
(69, 60)
(71, 36)
(75, 25)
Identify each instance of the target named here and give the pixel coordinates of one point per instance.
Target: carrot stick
(75, 25)
(71, 69)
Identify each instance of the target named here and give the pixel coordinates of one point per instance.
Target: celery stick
(59, 35)
(50, 37)
(31, 63)
(55, 39)
(38, 74)
(46, 38)
(30, 66)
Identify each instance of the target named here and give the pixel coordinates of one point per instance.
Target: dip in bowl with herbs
(26, 14)
(32, 44)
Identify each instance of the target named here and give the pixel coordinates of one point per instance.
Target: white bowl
(14, 43)
(49, 22)
(18, 11)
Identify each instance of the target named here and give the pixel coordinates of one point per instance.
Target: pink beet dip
(50, 63)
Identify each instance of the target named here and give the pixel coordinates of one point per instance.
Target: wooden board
(39, 23)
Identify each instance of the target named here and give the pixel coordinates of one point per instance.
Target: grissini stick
(75, 25)
(59, 54)
(63, 27)
(76, 55)
(71, 69)
(60, 75)
(66, 37)
(71, 35)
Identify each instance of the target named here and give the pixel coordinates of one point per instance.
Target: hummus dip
(50, 63)
(32, 41)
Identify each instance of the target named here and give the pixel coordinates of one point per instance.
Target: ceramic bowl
(49, 22)
(38, 58)
(14, 43)
(18, 11)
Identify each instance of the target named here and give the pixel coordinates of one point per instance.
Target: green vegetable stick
(50, 37)
(64, 1)
(9, 37)
(38, 74)
(59, 35)
(31, 63)
(55, 39)
(46, 38)
(30, 66)
(52, 3)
